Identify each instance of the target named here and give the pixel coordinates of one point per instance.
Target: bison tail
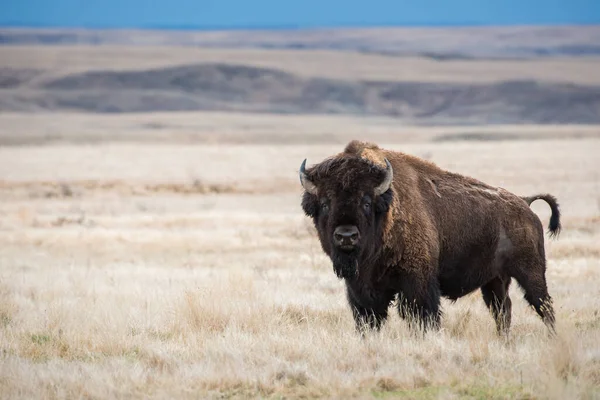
(554, 225)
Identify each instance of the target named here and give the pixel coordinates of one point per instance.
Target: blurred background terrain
(469, 75)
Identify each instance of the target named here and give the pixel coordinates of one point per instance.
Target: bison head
(348, 199)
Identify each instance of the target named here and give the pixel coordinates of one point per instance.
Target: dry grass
(110, 293)
(266, 130)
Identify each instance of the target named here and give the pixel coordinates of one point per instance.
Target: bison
(397, 227)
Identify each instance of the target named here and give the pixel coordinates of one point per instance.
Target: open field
(139, 268)
(249, 129)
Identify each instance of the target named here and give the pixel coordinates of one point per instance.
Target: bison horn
(387, 182)
(306, 183)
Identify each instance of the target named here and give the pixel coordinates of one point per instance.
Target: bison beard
(424, 233)
(345, 264)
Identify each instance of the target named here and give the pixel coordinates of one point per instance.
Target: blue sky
(290, 13)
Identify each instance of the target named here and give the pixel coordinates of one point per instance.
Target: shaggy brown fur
(432, 233)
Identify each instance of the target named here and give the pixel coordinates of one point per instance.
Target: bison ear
(310, 204)
(383, 202)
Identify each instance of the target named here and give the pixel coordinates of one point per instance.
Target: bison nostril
(346, 235)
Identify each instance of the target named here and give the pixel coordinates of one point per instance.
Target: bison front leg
(367, 318)
(419, 303)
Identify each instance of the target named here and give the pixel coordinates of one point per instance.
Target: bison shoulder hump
(357, 147)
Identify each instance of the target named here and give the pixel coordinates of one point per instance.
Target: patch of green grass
(40, 338)
(132, 354)
(588, 325)
(5, 319)
(471, 392)
(429, 392)
(161, 335)
(486, 392)
(134, 331)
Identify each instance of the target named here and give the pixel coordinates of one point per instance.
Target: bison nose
(346, 235)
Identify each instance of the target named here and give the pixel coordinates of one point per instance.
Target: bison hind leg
(533, 282)
(496, 298)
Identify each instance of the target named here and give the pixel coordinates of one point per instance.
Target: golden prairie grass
(112, 293)
(240, 130)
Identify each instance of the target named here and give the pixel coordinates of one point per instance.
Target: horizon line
(274, 27)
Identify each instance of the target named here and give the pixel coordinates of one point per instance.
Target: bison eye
(324, 207)
(366, 204)
(367, 207)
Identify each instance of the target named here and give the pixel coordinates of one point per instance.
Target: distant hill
(437, 43)
(471, 75)
(217, 86)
